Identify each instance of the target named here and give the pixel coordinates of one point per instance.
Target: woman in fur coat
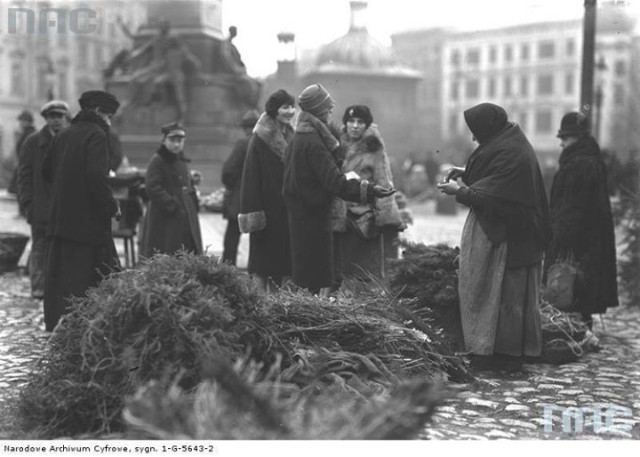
(581, 218)
(263, 213)
(364, 247)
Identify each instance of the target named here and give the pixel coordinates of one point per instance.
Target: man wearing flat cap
(80, 249)
(34, 191)
(25, 121)
(171, 223)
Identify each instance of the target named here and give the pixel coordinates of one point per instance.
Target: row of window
(46, 80)
(513, 86)
(544, 50)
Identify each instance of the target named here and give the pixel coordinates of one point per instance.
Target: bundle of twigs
(180, 319)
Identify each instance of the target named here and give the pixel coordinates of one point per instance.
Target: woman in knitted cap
(366, 234)
(503, 240)
(311, 181)
(263, 213)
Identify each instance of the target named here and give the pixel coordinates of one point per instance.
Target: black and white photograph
(238, 226)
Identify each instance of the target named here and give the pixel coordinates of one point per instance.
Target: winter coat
(583, 226)
(34, 192)
(82, 203)
(171, 222)
(368, 158)
(232, 179)
(263, 213)
(311, 181)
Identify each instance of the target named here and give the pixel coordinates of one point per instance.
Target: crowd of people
(317, 200)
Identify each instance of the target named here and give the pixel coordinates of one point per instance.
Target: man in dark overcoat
(581, 218)
(34, 192)
(232, 180)
(171, 222)
(80, 249)
(311, 181)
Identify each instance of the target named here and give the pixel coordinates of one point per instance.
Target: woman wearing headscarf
(263, 213)
(311, 180)
(581, 218)
(503, 240)
(367, 234)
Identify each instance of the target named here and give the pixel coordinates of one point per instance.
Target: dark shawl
(504, 169)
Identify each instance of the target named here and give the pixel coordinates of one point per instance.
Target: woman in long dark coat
(171, 222)
(311, 181)
(263, 213)
(581, 218)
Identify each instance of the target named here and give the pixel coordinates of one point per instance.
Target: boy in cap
(171, 223)
(80, 249)
(34, 191)
(232, 179)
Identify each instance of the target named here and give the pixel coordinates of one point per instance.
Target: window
(473, 57)
(43, 83)
(508, 53)
(618, 94)
(545, 85)
(570, 47)
(524, 52)
(454, 90)
(543, 121)
(83, 53)
(453, 124)
(17, 78)
(493, 54)
(472, 88)
(99, 56)
(524, 120)
(508, 90)
(455, 58)
(491, 87)
(524, 86)
(546, 49)
(569, 83)
(620, 67)
(63, 82)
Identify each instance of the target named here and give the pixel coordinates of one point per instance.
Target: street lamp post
(588, 47)
(601, 66)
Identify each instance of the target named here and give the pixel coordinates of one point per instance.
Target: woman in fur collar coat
(365, 249)
(263, 213)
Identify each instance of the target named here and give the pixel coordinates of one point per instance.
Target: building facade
(534, 71)
(57, 49)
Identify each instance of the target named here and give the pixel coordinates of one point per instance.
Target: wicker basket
(11, 248)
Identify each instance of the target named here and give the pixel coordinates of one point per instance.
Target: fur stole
(269, 131)
(309, 123)
(367, 157)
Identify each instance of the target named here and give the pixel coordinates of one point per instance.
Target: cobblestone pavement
(496, 406)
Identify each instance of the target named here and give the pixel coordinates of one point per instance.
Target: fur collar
(90, 116)
(169, 156)
(309, 123)
(269, 131)
(585, 147)
(370, 143)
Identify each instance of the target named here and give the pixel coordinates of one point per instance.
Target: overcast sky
(317, 22)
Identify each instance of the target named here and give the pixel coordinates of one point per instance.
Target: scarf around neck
(307, 123)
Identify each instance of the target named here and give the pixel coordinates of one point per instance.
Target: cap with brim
(173, 129)
(54, 106)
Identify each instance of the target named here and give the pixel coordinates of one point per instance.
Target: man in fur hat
(34, 191)
(81, 249)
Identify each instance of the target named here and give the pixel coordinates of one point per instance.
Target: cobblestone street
(497, 406)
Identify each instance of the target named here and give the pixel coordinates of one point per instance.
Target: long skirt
(498, 305)
(72, 268)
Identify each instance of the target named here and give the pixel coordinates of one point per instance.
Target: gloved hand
(381, 192)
